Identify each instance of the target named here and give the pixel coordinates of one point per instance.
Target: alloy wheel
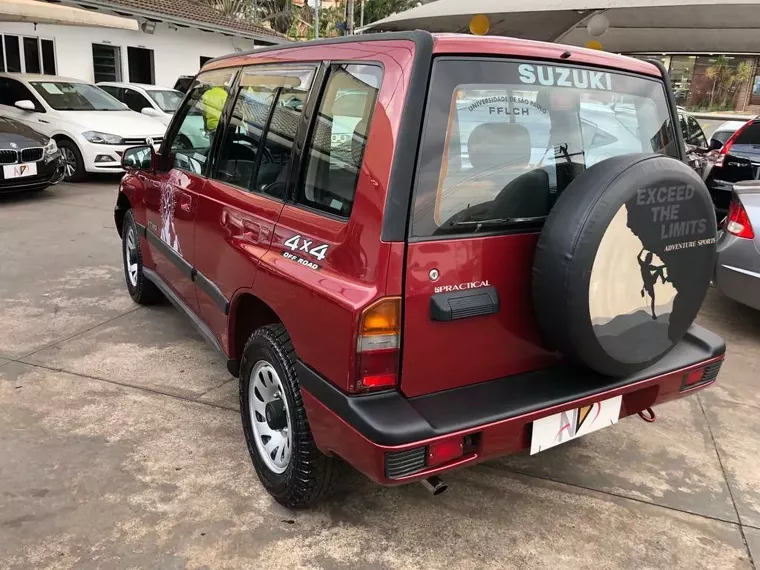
(69, 162)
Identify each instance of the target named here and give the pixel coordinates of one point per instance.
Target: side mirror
(138, 158)
(25, 105)
(150, 111)
(715, 144)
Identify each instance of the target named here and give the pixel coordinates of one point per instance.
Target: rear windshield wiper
(492, 222)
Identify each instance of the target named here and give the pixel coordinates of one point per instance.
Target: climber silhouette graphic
(649, 275)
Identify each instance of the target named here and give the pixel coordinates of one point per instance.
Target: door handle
(464, 304)
(185, 202)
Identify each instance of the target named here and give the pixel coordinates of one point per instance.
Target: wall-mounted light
(148, 26)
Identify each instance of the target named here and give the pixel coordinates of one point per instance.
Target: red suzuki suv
(418, 252)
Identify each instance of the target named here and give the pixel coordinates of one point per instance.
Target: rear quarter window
(503, 139)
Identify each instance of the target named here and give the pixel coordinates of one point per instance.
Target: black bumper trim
(210, 289)
(170, 254)
(141, 230)
(388, 418)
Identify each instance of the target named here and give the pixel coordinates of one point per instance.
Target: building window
(106, 62)
(27, 55)
(12, 54)
(140, 65)
(48, 57)
(32, 55)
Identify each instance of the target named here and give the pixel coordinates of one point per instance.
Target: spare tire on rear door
(624, 262)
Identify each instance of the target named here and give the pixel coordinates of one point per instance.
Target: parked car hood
(121, 123)
(19, 134)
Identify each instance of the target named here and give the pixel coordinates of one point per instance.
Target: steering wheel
(242, 137)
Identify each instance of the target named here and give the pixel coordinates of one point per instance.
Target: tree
(717, 72)
(279, 14)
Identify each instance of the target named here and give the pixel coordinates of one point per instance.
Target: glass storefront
(714, 82)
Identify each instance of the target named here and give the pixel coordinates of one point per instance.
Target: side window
(135, 100)
(696, 136)
(198, 120)
(113, 91)
(336, 143)
(12, 91)
(259, 140)
(684, 126)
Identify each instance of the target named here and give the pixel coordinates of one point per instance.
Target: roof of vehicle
(40, 77)
(465, 44)
(143, 86)
(732, 125)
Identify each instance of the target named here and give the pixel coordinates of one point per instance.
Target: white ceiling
(704, 26)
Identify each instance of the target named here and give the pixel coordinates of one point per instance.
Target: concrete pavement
(121, 446)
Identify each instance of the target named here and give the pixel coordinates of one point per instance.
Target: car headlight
(102, 138)
(50, 149)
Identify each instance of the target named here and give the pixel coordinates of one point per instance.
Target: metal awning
(36, 12)
(654, 26)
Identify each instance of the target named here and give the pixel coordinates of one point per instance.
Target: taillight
(377, 346)
(445, 450)
(737, 221)
(719, 161)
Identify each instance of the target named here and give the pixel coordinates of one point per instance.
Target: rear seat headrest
(498, 144)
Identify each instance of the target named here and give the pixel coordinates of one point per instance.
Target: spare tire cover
(624, 262)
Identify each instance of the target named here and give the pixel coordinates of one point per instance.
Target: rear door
(240, 205)
(501, 141)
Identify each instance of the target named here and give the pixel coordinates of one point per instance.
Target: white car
(92, 128)
(159, 103)
(724, 132)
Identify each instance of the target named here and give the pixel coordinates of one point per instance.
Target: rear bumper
(737, 270)
(497, 415)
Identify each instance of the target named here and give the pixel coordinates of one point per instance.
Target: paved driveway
(120, 446)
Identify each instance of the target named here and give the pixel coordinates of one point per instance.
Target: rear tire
(308, 475)
(142, 290)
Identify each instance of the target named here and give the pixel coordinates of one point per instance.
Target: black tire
(310, 475)
(143, 291)
(624, 262)
(79, 173)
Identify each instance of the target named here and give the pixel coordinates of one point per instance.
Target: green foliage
(727, 81)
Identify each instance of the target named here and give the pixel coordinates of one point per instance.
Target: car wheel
(142, 290)
(275, 425)
(73, 164)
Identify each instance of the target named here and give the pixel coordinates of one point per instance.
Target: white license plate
(19, 170)
(572, 424)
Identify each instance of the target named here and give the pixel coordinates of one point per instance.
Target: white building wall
(175, 52)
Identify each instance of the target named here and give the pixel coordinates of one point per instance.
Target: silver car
(737, 270)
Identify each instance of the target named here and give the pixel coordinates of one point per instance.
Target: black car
(736, 161)
(28, 160)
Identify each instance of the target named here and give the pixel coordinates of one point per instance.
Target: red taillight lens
(377, 346)
(693, 377)
(737, 221)
(444, 451)
(719, 161)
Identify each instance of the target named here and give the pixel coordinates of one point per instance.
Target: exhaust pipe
(434, 485)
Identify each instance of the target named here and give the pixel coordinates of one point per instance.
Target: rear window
(503, 139)
(749, 135)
